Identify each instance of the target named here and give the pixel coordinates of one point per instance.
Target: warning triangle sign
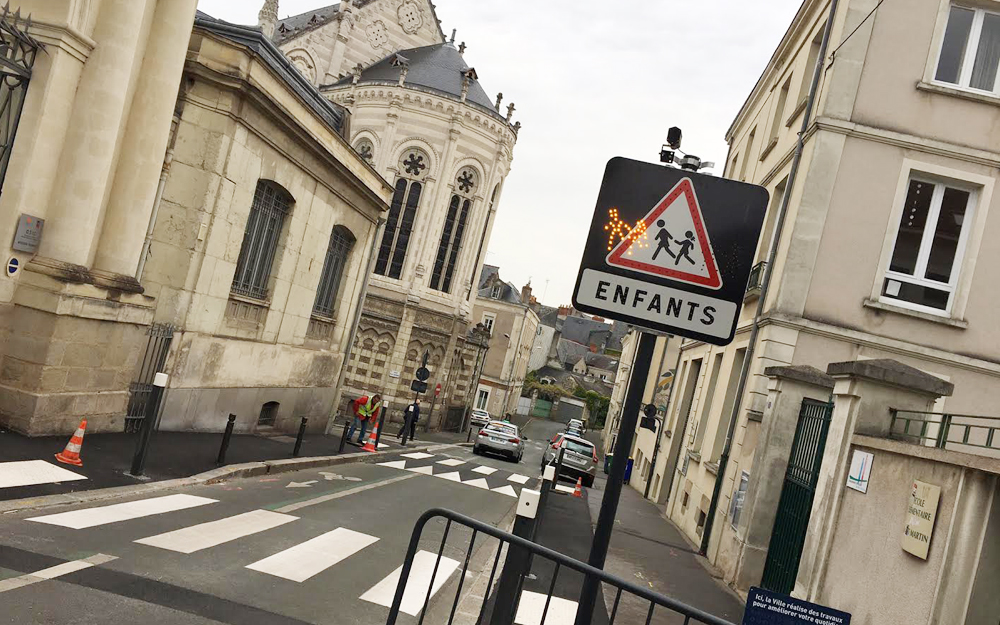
(671, 242)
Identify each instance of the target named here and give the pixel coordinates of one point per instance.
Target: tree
(597, 405)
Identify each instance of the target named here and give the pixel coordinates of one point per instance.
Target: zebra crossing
(298, 564)
(461, 472)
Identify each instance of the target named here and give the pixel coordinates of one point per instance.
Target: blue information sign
(12, 266)
(770, 608)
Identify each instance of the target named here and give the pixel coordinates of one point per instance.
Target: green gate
(792, 519)
(542, 408)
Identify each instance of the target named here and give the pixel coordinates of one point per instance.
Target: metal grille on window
(260, 240)
(18, 52)
(398, 225)
(337, 252)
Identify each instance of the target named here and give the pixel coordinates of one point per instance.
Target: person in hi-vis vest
(366, 410)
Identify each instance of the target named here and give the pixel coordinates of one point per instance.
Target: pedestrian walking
(412, 413)
(366, 409)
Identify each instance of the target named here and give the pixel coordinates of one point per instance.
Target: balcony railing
(972, 434)
(756, 278)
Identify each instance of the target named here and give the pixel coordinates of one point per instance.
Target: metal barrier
(960, 432)
(537, 553)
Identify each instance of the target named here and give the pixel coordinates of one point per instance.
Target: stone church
(419, 115)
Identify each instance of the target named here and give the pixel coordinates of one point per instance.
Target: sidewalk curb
(221, 474)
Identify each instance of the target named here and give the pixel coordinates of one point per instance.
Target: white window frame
(486, 404)
(496, 291)
(492, 318)
(969, 60)
(736, 503)
(970, 240)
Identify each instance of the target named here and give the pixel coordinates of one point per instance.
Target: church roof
(295, 25)
(439, 67)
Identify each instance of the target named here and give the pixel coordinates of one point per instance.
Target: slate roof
(438, 68)
(569, 352)
(601, 361)
(252, 38)
(296, 25)
(508, 292)
(569, 380)
(579, 329)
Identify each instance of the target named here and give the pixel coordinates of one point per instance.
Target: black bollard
(221, 460)
(343, 436)
(148, 423)
(298, 439)
(559, 464)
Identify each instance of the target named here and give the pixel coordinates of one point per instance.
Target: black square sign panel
(670, 250)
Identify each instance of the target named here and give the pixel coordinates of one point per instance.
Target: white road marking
(314, 556)
(54, 571)
(428, 470)
(102, 515)
(506, 489)
(336, 476)
(517, 478)
(292, 507)
(395, 464)
(562, 488)
(484, 470)
(382, 445)
(453, 476)
(205, 535)
(419, 580)
(31, 472)
(418, 455)
(532, 604)
(451, 462)
(301, 484)
(478, 483)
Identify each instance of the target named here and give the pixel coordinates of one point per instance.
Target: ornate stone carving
(411, 16)
(302, 62)
(365, 149)
(378, 36)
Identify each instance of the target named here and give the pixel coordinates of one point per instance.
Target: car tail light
(482, 433)
(515, 440)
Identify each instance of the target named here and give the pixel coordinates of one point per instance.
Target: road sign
(437, 390)
(13, 265)
(770, 608)
(670, 250)
(417, 386)
(423, 373)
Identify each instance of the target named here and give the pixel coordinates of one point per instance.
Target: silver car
(500, 438)
(479, 418)
(579, 461)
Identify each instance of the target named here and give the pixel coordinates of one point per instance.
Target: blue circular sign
(12, 266)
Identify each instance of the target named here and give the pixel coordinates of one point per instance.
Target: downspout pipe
(663, 421)
(168, 158)
(355, 323)
(766, 282)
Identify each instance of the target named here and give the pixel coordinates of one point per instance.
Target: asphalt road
(315, 546)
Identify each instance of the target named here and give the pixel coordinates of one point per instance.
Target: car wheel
(475, 450)
(588, 481)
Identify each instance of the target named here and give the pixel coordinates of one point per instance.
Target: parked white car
(480, 418)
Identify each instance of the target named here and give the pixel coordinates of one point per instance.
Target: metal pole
(613, 489)
(766, 282)
(339, 389)
(516, 565)
(343, 436)
(221, 460)
(148, 421)
(663, 421)
(474, 386)
(298, 439)
(381, 420)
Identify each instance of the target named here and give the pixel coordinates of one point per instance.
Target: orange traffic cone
(578, 491)
(71, 455)
(370, 445)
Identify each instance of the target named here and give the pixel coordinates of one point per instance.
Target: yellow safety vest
(369, 409)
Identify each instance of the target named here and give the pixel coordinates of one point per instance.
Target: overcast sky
(592, 80)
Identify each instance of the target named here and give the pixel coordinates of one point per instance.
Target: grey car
(579, 461)
(500, 438)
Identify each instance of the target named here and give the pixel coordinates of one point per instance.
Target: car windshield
(579, 447)
(501, 428)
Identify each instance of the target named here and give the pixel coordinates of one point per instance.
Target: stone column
(865, 391)
(145, 139)
(96, 123)
(787, 387)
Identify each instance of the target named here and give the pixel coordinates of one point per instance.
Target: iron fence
(153, 359)
(975, 434)
(17, 56)
(542, 558)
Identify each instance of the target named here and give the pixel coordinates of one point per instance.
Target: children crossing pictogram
(683, 251)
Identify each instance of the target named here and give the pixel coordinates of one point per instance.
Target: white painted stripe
(292, 507)
(428, 470)
(517, 478)
(451, 462)
(304, 560)
(54, 571)
(484, 470)
(506, 489)
(532, 605)
(453, 476)
(395, 464)
(31, 472)
(419, 580)
(73, 447)
(562, 488)
(102, 515)
(205, 535)
(478, 483)
(382, 445)
(418, 455)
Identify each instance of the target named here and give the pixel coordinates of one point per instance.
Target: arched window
(271, 204)
(402, 211)
(454, 230)
(337, 252)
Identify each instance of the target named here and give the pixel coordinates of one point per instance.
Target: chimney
(526, 294)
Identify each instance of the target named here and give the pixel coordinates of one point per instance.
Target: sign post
(669, 251)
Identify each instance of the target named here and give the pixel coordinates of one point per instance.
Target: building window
(337, 252)
(402, 212)
(808, 72)
(482, 399)
(454, 230)
(271, 204)
(970, 49)
(930, 242)
(366, 150)
(737, 504)
(779, 110)
(496, 290)
(488, 321)
(747, 154)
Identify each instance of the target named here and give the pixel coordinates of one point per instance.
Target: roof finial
(453, 32)
(267, 19)
(461, 48)
(510, 111)
(499, 100)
